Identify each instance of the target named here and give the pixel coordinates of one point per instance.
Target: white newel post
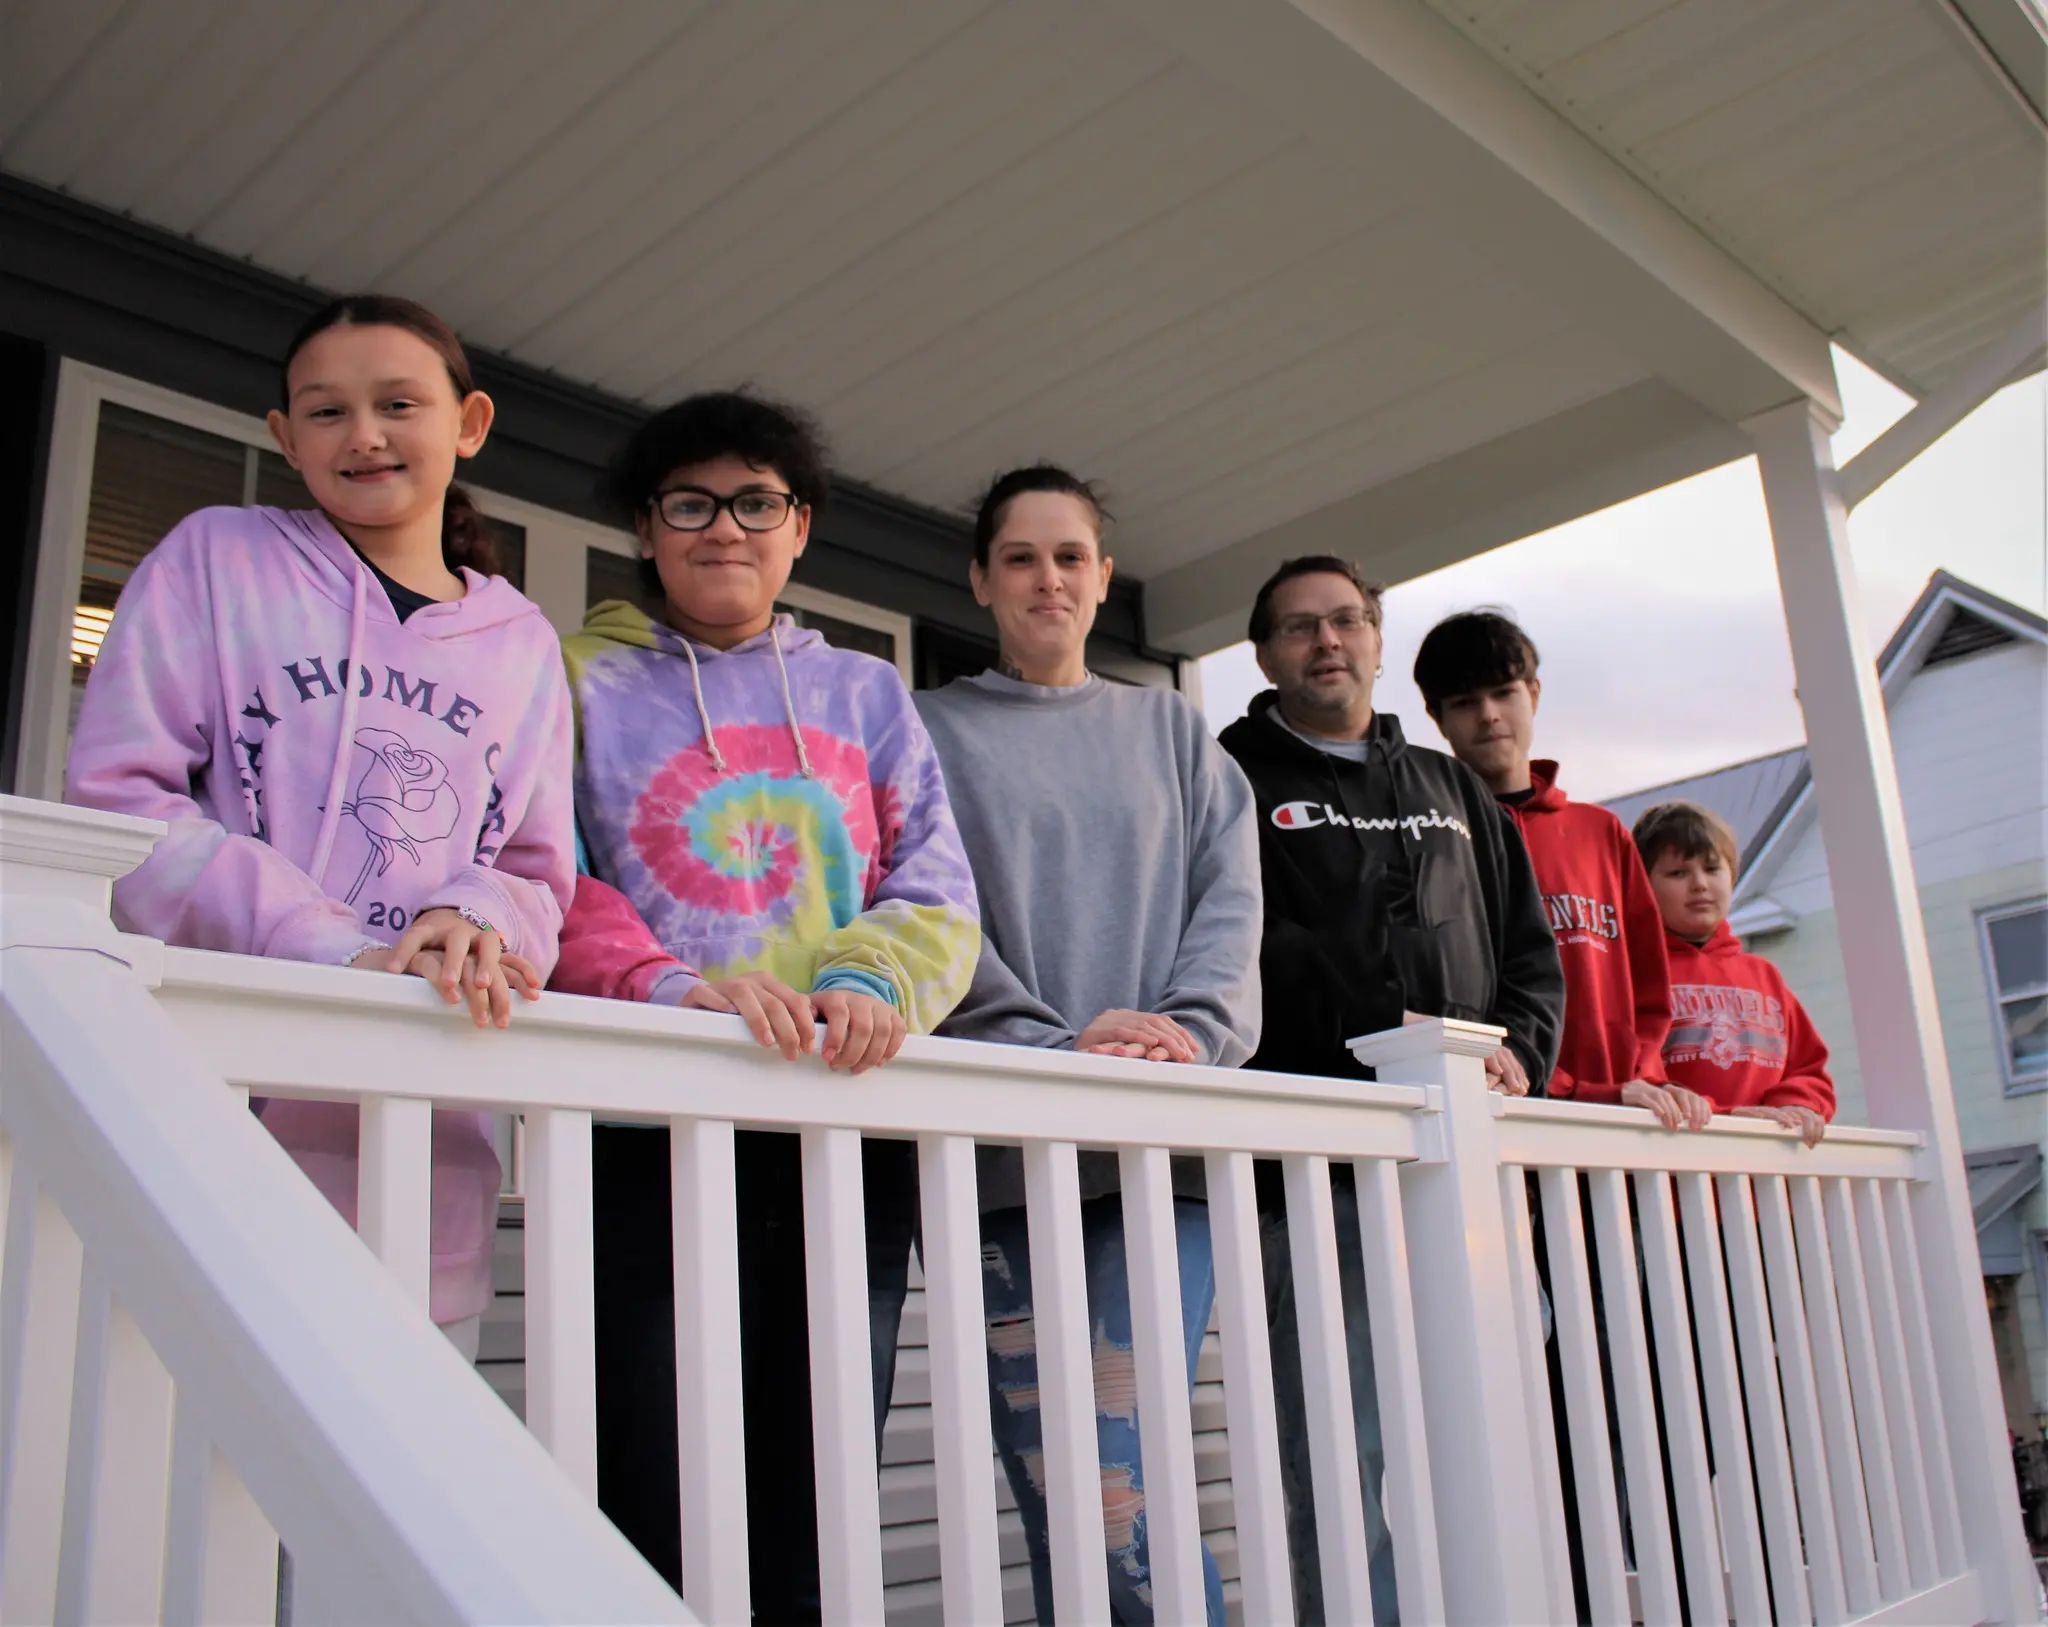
(1481, 1463)
(1884, 952)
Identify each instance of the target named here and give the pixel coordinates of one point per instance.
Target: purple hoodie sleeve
(144, 737)
(525, 887)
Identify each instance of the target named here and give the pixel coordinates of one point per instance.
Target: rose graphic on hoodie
(403, 800)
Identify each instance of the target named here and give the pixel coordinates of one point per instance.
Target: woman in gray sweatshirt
(1117, 865)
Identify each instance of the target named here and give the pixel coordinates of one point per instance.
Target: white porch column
(1884, 953)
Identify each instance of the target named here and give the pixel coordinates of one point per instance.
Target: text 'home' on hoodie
(327, 772)
(1610, 937)
(1393, 884)
(774, 807)
(1739, 1036)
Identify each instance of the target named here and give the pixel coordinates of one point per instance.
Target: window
(2016, 964)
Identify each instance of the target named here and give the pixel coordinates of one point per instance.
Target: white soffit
(1282, 280)
(1873, 161)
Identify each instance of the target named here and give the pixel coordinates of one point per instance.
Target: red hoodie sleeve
(1649, 969)
(608, 951)
(1806, 1082)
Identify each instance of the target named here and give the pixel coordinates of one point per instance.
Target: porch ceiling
(1286, 277)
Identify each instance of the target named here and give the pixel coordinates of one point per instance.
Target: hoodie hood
(331, 567)
(1721, 941)
(1547, 796)
(620, 625)
(1261, 736)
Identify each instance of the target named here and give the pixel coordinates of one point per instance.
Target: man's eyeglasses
(1301, 629)
(688, 508)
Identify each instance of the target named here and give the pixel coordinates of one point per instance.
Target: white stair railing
(197, 1357)
(1773, 1318)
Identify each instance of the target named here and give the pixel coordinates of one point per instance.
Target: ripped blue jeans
(1013, 1389)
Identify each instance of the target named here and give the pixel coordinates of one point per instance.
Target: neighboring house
(1965, 681)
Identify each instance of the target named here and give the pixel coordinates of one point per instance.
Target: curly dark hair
(1475, 649)
(1047, 477)
(764, 434)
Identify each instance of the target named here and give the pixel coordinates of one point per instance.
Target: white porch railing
(1773, 1349)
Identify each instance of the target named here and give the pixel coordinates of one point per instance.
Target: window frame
(554, 546)
(2015, 1084)
(861, 614)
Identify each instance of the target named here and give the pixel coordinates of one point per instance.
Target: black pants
(636, 1362)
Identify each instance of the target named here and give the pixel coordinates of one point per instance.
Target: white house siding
(1971, 743)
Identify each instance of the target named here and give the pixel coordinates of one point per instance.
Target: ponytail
(466, 536)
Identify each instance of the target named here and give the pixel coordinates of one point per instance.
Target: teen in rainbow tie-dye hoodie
(773, 807)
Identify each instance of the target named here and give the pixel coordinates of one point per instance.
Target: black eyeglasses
(690, 508)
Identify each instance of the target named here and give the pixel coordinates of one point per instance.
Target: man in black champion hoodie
(1396, 887)
(1394, 884)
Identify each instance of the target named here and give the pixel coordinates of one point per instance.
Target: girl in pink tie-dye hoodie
(358, 738)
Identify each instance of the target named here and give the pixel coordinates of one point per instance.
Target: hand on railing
(861, 1032)
(1809, 1124)
(1505, 1073)
(465, 961)
(1676, 1108)
(1144, 1034)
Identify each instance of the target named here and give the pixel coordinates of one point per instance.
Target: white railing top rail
(289, 1029)
(1585, 1135)
(390, 1473)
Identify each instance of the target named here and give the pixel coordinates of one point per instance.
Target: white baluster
(111, 1563)
(709, 1391)
(842, 1379)
(1642, 1456)
(41, 1324)
(1543, 1424)
(220, 1553)
(1066, 1383)
(1410, 1501)
(1873, 1428)
(394, 1189)
(1326, 1391)
(1803, 1427)
(1255, 1489)
(1166, 1441)
(1927, 1399)
(1741, 1536)
(1578, 1349)
(561, 1295)
(1684, 1429)
(1881, 1275)
(1831, 1387)
(970, 1566)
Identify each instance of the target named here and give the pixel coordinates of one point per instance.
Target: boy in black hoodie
(1395, 888)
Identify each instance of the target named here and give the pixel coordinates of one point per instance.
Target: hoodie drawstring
(337, 779)
(796, 735)
(803, 758)
(703, 716)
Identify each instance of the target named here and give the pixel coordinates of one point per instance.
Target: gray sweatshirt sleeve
(998, 1008)
(1214, 992)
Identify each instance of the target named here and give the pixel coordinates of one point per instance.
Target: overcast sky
(1663, 644)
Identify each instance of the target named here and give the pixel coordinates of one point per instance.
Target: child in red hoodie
(1477, 674)
(1739, 1036)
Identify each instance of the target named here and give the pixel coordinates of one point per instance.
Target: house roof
(1405, 282)
(1748, 795)
(1768, 801)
